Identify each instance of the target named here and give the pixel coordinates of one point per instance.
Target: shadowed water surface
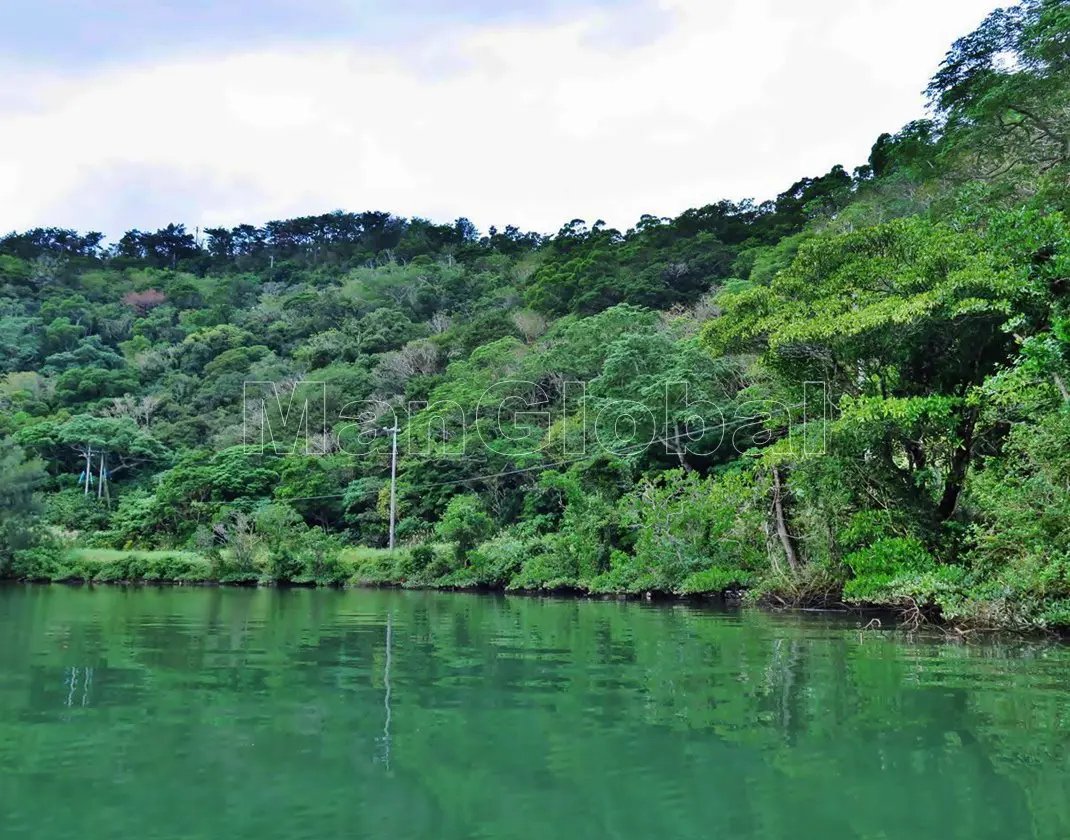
(206, 713)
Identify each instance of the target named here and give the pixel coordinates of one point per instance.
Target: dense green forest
(858, 392)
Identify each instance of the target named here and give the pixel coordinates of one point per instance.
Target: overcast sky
(117, 114)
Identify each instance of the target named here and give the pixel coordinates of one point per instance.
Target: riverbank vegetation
(858, 392)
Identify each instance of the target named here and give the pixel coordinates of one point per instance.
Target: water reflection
(199, 713)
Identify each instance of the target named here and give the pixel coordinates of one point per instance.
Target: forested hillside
(857, 392)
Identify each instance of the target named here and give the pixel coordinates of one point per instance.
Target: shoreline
(876, 617)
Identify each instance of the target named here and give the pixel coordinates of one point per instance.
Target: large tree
(1004, 90)
(902, 323)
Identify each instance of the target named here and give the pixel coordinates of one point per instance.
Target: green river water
(231, 714)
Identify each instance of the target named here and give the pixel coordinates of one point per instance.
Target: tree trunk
(1061, 385)
(677, 450)
(106, 480)
(916, 455)
(960, 464)
(781, 527)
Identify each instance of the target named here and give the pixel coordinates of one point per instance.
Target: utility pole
(393, 481)
(88, 466)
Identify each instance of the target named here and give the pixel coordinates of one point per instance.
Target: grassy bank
(422, 567)
(95, 565)
(429, 567)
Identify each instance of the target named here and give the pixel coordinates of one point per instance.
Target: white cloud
(532, 125)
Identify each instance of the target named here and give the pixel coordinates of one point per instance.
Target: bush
(297, 553)
(552, 566)
(464, 524)
(73, 510)
(695, 534)
(177, 568)
(321, 559)
(226, 567)
(878, 567)
(329, 569)
(497, 561)
(441, 565)
(716, 581)
(372, 566)
(136, 521)
(127, 568)
(105, 566)
(42, 563)
(625, 577)
(415, 563)
(899, 571)
(284, 565)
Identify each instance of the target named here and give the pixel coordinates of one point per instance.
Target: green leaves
(22, 477)
(19, 506)
(1003, 90)
(693, 535)
(871, 311)
(118, 436)
(464, 524)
